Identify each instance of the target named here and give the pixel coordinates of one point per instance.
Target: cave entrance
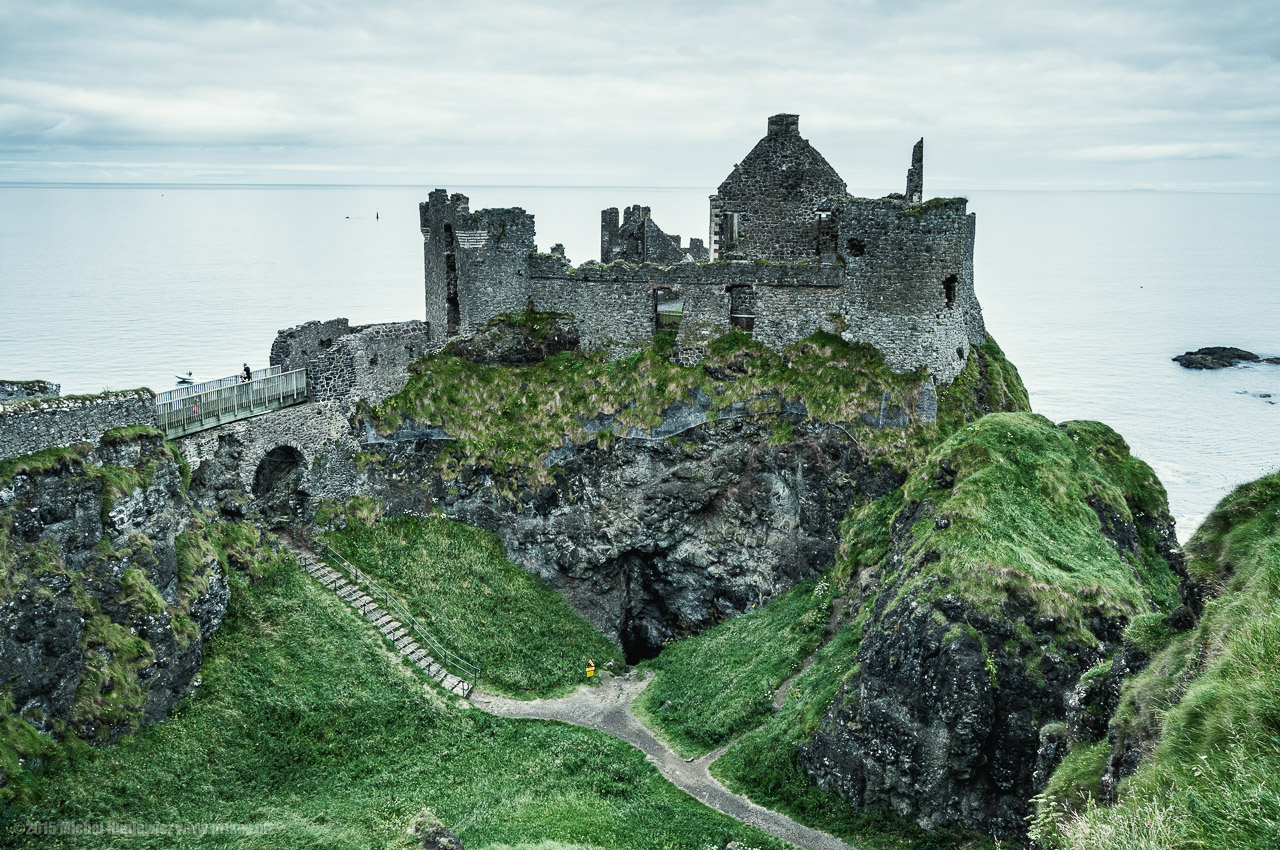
(277, 484)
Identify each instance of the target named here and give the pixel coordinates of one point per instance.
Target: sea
(1089, 293)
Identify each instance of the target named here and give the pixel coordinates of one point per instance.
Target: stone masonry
(17, 390)
(638, 239)
(371, 361)
(35, 424)
(793, 252)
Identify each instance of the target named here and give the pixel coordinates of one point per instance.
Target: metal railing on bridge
(204, 386)
(212, 403)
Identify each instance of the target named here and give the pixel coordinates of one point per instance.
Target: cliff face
(651, 540)
(1013, 561)
(108, 589)
(717, 488)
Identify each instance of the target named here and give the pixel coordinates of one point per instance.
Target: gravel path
(607, 708)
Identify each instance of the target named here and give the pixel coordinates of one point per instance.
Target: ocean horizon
(1089, 292)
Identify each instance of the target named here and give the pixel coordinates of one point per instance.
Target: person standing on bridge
(246, 375)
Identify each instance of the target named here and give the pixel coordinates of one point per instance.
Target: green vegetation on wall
(511, 418)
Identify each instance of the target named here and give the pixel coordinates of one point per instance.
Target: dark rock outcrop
(519, 340)
(652, 538)
(968, 689)
(111, 589)
(1219, 357)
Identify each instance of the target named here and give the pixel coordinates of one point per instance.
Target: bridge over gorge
(193, 408)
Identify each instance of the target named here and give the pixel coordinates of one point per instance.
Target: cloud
(657, 93)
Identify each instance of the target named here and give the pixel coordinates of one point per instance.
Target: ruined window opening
(959, 352)
(824, 233)
(453, 317)
(730, 230)
(949, 289)
(742, 307)
(855, 247)
(668, 311)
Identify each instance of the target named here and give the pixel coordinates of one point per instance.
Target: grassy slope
(1211, 700)
(459, 585)
(1020, 528)
(305, 721)
(510, 418)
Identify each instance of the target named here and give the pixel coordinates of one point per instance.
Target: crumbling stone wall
(294, 347)
(475, 263)
(639, 239)
(613, 315)
(35, 424)
(371, 362)
(910, 281)
(765, 207)
(797, 255)
(17, 390)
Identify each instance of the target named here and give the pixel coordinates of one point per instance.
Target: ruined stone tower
(764, 208)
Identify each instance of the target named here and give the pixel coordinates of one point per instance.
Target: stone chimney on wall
(784, 124)
(915, 175)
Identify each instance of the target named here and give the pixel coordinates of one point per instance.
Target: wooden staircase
(395, 631)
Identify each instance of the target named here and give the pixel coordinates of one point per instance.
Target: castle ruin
(789, 252)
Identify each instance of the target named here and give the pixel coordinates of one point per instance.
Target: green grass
(1207, 706)
(306, 722)
(459, 585)
(1019, 526)
(510, 418)
(713, 686)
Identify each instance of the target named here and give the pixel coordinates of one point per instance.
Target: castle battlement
(791, 253)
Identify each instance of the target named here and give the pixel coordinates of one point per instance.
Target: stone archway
(277, 484)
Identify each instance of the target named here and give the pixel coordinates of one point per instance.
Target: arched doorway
(277, 484)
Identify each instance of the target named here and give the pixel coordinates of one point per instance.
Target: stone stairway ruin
(396, 632)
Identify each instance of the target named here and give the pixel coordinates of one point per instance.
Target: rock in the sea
(1218, 357)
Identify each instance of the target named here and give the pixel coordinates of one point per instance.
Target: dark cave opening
(277, 482)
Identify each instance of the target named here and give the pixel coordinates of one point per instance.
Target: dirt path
(608, 709)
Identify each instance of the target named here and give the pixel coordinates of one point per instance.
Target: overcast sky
(1076, 94)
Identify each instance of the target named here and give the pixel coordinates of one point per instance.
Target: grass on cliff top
(306, 725)
(510, 418)
(1019, 526)
(1208, 704)
(460, 586)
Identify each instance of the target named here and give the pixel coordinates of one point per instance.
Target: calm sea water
(1090, 294)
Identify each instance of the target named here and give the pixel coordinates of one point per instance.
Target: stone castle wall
(17, 390)
(294, 347)
(477, 260)
(371, 361)
(35, 424)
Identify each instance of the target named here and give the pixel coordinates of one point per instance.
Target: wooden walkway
(394, 630)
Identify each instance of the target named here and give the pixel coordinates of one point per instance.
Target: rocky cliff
(108, 588)
(1008, 564)
(660, 499)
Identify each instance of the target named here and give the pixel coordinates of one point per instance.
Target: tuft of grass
(306, 726)
(1206, 710)
(460, 586)
(129, 433)
(510, 418)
